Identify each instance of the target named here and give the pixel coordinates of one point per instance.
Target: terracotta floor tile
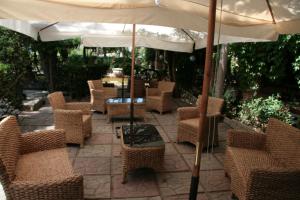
(208, 162)
(100, 129)
(116, 165)
(140, 184)
(214, 180)
(220, 196)
(172, 136)
(184, 147)
(95, 151)
(170, 149)
(200, 196)
(221, 148)
(97, 186)
(93, 165)
(171, 184)
(220, 157)
(162, 134)
(116, 150)
(174, 163)
(72, 151)
(116, 140)
(170, 128)
(100, 139)
(142, 198)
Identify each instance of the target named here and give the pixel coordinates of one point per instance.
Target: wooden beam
(132, 85)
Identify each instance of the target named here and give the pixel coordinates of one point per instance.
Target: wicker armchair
(160, 98)
(74, 118)
(100, 94)
(264, 166)
(36, 165)
(188, 123)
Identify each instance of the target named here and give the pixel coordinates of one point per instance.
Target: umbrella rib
(271, 11)
(194, 43)
(48, 26)
(39, 37)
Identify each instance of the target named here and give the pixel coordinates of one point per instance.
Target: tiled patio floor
(100, 162)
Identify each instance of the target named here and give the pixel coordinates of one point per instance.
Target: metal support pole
(132, 85)
(204, 99)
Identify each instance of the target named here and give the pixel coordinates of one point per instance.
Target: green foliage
(74, 73)
(231, 102)
(273, 63)
(256, 112)
(15, 68)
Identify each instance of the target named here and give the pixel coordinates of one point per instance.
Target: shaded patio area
(100, 161)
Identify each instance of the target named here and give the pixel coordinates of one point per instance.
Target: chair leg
(226, 174)
(124, 178)
(233, 197)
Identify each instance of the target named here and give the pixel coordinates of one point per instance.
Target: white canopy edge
(128, 12)
(120, 35)
(140, 41)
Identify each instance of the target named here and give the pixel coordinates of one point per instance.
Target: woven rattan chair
(188, 123)
(36, 165)
(264, 166)
(100, 94)
(74, 118)
(160, 98)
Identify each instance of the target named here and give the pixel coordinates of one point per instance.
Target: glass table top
(124, 100)
(144, 135)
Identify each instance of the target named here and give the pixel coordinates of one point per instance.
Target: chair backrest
(214, 104)
(283, 143)
(57, 100)
(166, 86)
(10, 142)
(95, 84)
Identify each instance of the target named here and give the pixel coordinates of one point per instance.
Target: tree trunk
(221, 71)
(48, 63)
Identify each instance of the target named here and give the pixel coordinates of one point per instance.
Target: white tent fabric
(246, 13)
(106, 35)
(240, 18)
(118, 35)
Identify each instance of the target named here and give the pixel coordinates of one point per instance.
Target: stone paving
(100, 161)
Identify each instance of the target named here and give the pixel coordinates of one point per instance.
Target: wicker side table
(147, 149)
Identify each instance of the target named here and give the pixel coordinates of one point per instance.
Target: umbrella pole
(204, 98)
(132, 84)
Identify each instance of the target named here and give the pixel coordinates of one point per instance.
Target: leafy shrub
(231, 102)
(256, 112)
(6, 108)
(73, 75)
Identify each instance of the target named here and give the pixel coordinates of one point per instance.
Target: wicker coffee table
(145, 149)
(121, 107)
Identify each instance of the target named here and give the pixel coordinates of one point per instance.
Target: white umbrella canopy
(106, 34)
(253, 15)
(119, 35)
(240, 18)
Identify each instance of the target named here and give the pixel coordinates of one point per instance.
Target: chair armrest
(243, 139)
(85, 107)
(187, 113)
(68, 188)
(165, 94)
(73, 117)
(98, 94)
(152, 92)
(110, 92)
(280, 183)
(42, 140)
